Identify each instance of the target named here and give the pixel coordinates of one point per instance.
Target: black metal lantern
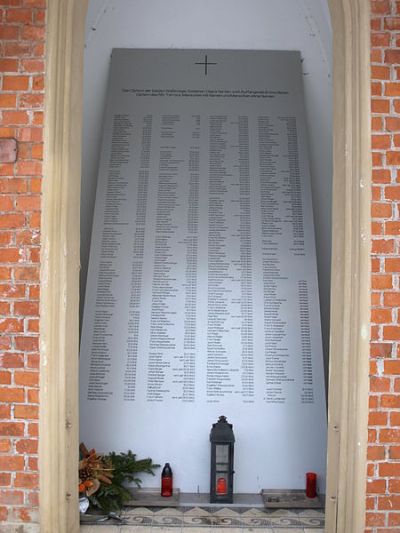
(222, 444)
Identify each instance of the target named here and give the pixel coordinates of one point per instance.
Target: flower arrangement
(102, 477)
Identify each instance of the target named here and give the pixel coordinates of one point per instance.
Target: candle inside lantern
(222, 486)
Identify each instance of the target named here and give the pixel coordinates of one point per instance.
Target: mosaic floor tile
(214, 520)
(196, 511)
(165, 529)
(161, 520)
(155, 528)
(258, 530)
(255, 512)
(231, 530)
(309, 522)
(178, 529)
(134, 529)
(143, 511)
(134, 520)
(318, 513)
(223, 521)
(197, 521)
(226, 512)
(286, 530)
(169, 511)
(285, 521)
(198, 529)
(283, 512)
(256, 521)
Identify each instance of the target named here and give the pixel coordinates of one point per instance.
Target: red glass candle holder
(166, 481)
(222, 487)
(311, 485)
(166, 487)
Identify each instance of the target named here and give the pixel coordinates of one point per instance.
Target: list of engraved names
(247, 217)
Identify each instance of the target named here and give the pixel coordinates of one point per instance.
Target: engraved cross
(206, 63)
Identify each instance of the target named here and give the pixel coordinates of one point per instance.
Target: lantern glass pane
(222, 454)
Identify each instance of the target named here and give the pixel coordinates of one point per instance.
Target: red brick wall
(21, 114)
(383, 486)
(22, 34)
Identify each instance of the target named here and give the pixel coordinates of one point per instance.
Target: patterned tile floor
(215, 520)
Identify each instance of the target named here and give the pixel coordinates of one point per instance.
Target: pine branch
(125, 467)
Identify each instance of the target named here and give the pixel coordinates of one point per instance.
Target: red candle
(311, 485)
(221, 486)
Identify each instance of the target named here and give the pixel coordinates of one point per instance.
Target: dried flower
(94, 469)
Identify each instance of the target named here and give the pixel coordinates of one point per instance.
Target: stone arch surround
(350, 315)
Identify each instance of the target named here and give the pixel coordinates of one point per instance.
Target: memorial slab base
(152, 498)
(290, 499)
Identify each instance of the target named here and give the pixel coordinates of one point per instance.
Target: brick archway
(350, 269)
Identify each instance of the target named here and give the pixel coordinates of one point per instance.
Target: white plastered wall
(228, 24)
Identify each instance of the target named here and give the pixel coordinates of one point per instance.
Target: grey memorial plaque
(202, 294)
